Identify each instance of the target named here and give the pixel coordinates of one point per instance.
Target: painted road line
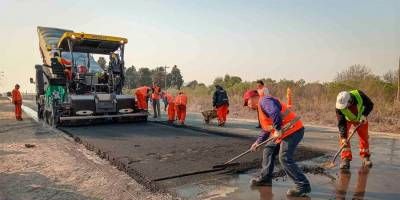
(30, 112)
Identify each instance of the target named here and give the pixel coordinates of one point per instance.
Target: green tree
(192, 84)
(131, 77)
(102, 62)
(144, 77)
(176, 78)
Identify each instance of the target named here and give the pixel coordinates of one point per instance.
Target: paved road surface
(190, 147)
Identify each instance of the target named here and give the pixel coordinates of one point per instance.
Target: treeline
(145, 76)
(315, 101)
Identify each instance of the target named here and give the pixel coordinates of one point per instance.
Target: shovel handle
(347, 141)
(248, 151)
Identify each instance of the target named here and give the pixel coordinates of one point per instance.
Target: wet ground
(379, 182)
(158, 151)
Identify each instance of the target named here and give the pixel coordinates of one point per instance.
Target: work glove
(363, 119)
(253, 147)
(277, 133)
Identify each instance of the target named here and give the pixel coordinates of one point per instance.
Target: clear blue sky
(310, 39)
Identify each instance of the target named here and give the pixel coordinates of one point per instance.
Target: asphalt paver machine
(72, 87)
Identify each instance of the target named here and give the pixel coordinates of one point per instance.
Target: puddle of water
(380, 182)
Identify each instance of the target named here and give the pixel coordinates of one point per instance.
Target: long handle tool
(332, 162)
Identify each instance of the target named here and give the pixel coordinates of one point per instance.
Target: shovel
(229, 162)
(331, 164)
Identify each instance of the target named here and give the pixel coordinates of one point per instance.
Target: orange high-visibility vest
(142, 90)
(16, 96)
(181, 99)
(287, 117)
(156, 93)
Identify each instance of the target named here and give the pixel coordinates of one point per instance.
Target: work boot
(345, 164)
(367, 162)
(299, 192)
(258, 181)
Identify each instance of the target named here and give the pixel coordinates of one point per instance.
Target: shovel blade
(328, 165)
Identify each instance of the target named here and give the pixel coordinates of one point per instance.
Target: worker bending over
(180, 106)
(17, 101)
(170, 106)
(279, 122)
(142, 96)
(221, 104)
(353, 108)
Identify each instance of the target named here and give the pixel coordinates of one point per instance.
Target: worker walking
(221, 104)
(142, 96)
(353, 108)
(279, 122)
(17, 101)
(155, 98)
(180, 106)
(170, 106)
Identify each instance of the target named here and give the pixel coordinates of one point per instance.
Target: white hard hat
(342, 100)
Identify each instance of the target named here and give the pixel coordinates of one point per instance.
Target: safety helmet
(342, 100)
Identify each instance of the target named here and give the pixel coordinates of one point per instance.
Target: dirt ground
(56, 168)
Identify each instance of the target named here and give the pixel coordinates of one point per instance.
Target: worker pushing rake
(285, 131)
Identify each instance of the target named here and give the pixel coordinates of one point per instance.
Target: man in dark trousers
(282, 124)
(352, 109)
(221, 104)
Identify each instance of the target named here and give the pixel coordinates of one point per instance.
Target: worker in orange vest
(17, 101)
(289, 97)
(155, 98)
(278, 122)
(170, 106)
(142, 95)
(180, 106)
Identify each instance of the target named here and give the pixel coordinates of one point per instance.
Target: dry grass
(315, 110)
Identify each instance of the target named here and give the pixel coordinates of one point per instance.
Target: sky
(279, 39)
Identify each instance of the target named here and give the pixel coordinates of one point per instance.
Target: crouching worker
(180, 106)
(170, 106)
(352, 108)
(142, 96)
(279, 122)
